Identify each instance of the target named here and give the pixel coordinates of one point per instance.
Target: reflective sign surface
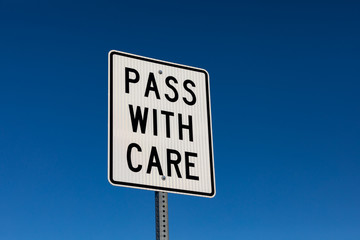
(160, 135)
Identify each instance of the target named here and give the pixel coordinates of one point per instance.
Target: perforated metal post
(162, 217)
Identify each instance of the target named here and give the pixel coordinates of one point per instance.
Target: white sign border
(110, 128)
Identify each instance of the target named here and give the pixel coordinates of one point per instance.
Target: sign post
(161, 216)
(159, 129)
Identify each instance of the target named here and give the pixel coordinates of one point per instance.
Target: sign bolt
(163, 177)
(160, 72)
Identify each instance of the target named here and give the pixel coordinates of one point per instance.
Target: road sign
(159, 130)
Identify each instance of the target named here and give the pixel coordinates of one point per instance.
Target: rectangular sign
(160, 134)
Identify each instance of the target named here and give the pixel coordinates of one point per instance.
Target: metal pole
(161, 215)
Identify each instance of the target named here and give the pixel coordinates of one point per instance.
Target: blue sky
(285, 100)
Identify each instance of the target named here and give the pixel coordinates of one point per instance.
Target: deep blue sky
(285, 83)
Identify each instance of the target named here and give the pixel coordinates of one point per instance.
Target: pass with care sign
(160, 134)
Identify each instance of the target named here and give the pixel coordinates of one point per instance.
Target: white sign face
(160, 135)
